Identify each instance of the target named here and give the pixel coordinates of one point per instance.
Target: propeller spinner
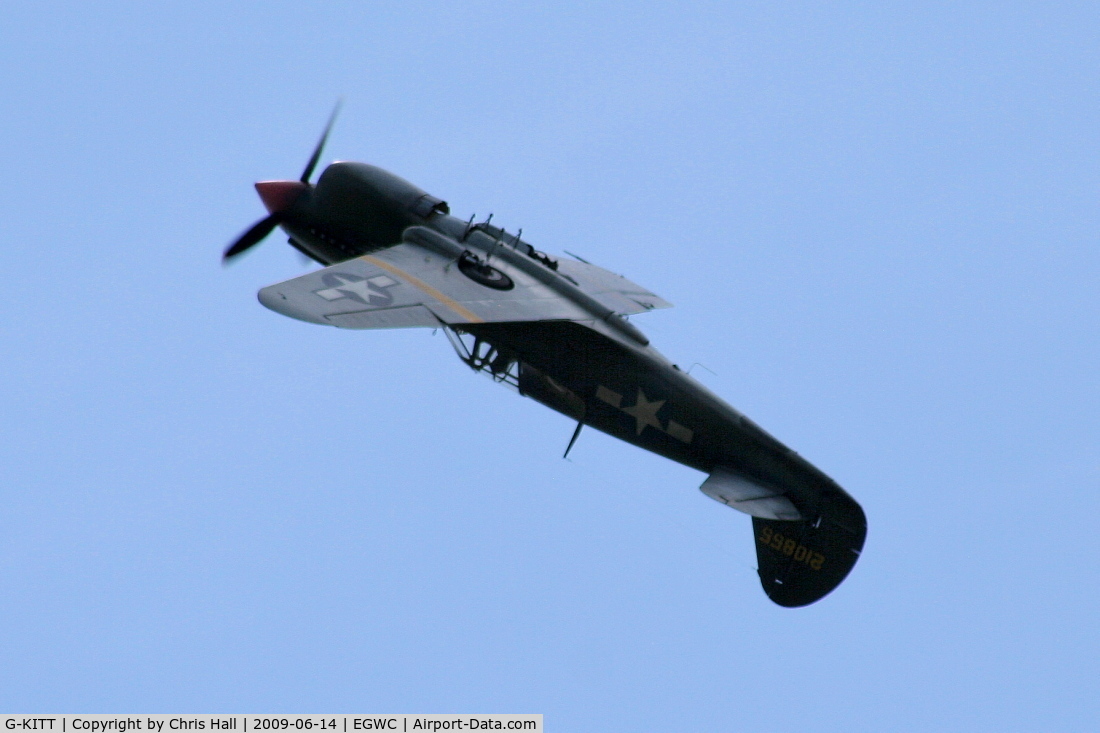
(278, 196)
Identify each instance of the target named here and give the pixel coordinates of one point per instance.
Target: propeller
(278, 196)
(253, 236)
(321, 143)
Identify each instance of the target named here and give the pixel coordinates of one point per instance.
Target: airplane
(556, 331)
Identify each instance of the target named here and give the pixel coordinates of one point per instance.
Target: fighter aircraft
(554, 329)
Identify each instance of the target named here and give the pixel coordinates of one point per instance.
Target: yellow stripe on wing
(418, 283)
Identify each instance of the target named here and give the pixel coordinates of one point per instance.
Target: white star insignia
(645, 412)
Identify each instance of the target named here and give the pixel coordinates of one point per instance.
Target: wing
(614, 291)
(420, 283)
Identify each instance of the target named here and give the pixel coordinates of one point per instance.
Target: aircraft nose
(279, 195)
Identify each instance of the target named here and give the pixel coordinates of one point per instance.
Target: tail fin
(801, 562)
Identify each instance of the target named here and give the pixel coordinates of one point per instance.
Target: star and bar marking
(644, 411)
(375, 290)
(368, 291)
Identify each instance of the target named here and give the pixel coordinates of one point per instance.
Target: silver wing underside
(418, 284)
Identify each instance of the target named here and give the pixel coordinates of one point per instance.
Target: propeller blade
(321, 143)
(252, 237)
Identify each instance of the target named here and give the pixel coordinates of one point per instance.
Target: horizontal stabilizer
(750, 497)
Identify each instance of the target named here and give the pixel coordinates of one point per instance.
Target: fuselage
(587, 371)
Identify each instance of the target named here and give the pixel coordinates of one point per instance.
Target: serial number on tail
(789, 547)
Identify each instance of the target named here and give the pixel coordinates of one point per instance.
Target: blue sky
(878, 223)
